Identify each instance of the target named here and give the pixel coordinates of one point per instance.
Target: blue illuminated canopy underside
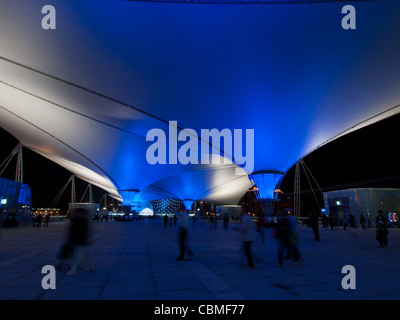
(86, 94)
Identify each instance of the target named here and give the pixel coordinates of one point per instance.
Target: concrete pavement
(136, 261)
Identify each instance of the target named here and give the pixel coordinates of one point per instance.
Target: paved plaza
(136, 261)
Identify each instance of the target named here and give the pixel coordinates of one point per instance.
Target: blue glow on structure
(15, 201)
(188, 204)
(243, 82)
(266, 183)
(129, 197)
(166, 206)
(289, 72)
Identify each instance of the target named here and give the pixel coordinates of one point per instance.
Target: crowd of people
(38, 218)
(283, 229)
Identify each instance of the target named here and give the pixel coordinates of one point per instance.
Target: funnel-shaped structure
(188, 204)
(265, 183)
(130, 197)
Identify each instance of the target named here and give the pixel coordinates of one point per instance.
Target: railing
(57, 219)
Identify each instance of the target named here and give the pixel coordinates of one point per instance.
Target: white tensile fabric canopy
(86, 94)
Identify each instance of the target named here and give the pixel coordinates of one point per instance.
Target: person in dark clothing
(281, 234)
(363, 222)
(261, 228)
(184, 247)
(314, 225)
(325, 221)
(346, 218)
(78, 238)
(331, 222)
(287, 237)
(352, 224)
(39, 220)
(226, 221)
(248, 235)
(47, 219)
(381, 229)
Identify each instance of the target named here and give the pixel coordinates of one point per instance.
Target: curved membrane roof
(86, 94)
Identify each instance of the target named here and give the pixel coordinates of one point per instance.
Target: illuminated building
(15, 202)
(362, 201)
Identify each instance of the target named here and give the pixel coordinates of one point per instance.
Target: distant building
(44, 211)
(15, 203)
(232, 211)
(362, 201)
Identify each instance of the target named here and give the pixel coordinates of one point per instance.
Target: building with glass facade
(15, 203)
(362, 201)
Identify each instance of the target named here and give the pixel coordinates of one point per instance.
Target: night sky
(368, 157)
(45, 177)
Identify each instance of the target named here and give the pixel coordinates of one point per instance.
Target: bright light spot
(146, 212)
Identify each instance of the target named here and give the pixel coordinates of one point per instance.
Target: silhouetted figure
(346, 220)
(292, 237)
(78, 238)
(39, 220)
(381, 229)
(248, 234)
(363, 222)
(325, 221)
(165, 220)
(47, 220)
(212, 221)
(314, 225)
(226, 221)
(352, 224)
(331, 222)
(96, 218)
(261, 228)
(183, 223)
(281, 235)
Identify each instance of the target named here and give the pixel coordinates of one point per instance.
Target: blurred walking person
(287, 237)
(292, 237)
(47, 219)
(183, 223)
(314, 225)
(353, 226)
(281, 235)
(226, 221)
(261, 228)
(363, 222)
(78, 238)
(381, 229)
(39, 220)
(331, 222)
(248, 233)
